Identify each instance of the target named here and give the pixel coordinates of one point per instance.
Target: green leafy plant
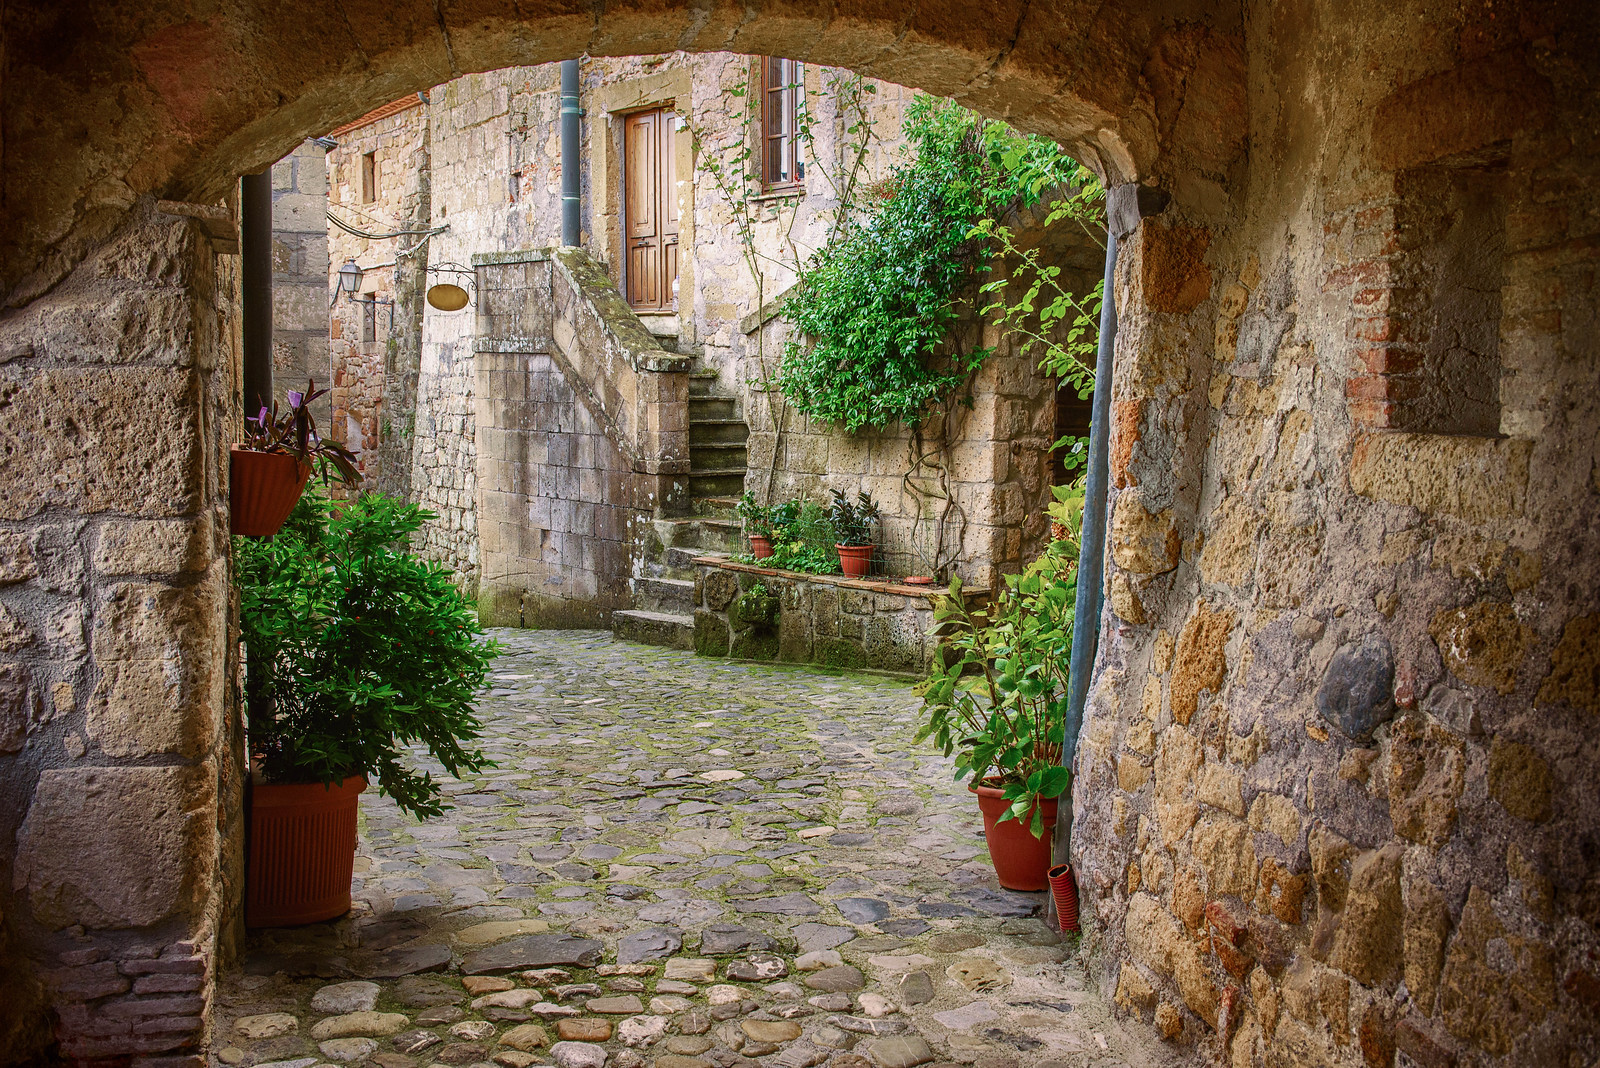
(757, 517)
(802, 539)
(294, 433)
(756, 607)
(997, 697)
(852, 522)
(876, 305)
(356, 649)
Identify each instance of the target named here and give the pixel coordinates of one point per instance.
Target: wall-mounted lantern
(350, 278)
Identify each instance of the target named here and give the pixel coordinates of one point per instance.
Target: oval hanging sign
(447, 297)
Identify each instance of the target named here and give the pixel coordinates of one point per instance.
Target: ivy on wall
(874, 308)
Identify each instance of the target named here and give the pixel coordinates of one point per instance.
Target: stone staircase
(663, 582)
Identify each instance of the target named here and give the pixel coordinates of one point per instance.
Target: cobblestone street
(684, 863)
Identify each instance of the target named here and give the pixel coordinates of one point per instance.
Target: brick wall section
(120, 746)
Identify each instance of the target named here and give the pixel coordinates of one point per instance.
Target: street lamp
(350, 277)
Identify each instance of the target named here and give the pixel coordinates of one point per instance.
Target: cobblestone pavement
(678, 863)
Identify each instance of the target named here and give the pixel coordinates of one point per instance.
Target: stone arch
(175, 103)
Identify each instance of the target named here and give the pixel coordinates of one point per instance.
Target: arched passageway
(1333, 786)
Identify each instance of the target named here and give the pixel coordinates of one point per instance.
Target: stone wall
(300, 276)
(375, 346)
(580, 439)
(1332, 796)
(817, 619)
(120, 746)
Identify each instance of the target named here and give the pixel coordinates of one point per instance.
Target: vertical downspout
(570, 232)
(255, 283)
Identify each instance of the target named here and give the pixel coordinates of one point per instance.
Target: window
(369, 319)
(369, 177)
(783, 101)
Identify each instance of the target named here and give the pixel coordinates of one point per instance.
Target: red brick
(89, 981)
(1389, 359)
(1381, 328)
(1230, 929)
(1371, 413)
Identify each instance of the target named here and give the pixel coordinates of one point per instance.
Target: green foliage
(1030, 302)
(875, 306)
(757, 517)
(356, 649)
(803, 539)
(852, 523)
(997, 698)
(755, 607)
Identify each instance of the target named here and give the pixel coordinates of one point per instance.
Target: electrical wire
(351, 230)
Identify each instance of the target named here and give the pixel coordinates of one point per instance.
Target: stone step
(702, 383)
(728, 483)
(677, 561)
(668, 595)
(700, 532)
(712, 408)
(719, 456)
(716, 507)
(666, 629)
(718, 431)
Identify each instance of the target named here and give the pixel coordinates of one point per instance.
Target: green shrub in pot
(355, 650)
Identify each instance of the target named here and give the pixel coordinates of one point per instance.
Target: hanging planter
(302, 851)
(269, 470)
(264, 487)
(1020, 860)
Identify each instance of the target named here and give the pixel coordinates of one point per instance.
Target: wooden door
(650, 208)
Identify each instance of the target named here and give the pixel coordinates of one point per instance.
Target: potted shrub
(997, 700)
(852, 531)
(267, 472)
(355, 649)
(757, 525)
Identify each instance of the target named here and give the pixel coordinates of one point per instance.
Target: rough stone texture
(1199, 663)
(1356, 694)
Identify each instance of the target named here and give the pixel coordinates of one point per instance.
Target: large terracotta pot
(263, 489)
(855, 560)
(1020, 860)
(760, 546)
(302, 852)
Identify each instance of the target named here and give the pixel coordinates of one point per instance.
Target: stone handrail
(635, 389)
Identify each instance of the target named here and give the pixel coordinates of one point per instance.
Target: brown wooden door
(650, 206)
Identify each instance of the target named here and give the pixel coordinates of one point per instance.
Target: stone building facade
(492, 166)
(300, 350)
(1332, 797)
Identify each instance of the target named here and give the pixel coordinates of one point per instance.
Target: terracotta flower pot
(263, 489)
(855, 560)
(760, 546)
(1020, 859)
(302, 851)
(1064, 888)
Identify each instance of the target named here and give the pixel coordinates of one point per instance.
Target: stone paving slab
(681, 863)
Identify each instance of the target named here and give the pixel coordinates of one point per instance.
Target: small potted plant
(997, 700)
(758, 521)
(354, 650)
(852, 531)
(269, 469)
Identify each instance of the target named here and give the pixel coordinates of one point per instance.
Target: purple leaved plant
(294, 433)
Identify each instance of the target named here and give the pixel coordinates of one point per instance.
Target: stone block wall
(1332, 796)
(817, 619)
(300, 349)
(121, 778)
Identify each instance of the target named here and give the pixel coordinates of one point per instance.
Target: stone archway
(1339, 636)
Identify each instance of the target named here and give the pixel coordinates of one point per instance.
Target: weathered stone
(1155, 938)
(726, 939)
(1575, 666)
(1142, 542)
(266, 1025)
(1519, 778)
(624, 1005)
(415, 1041)
(346, 1050)
(1199, 663)
(1496, 985)
(346, 997)
(1472, 478)
(481, 934)
(841, 978)
(357, 1024)
(578, 1055)
(694, 969)
(526, 1037)
(1134, 992)
(1427, 926)
(478, 985)
(534, 951)
(1175, 278)
(758, 968)
(774, 1031)
(1226, 855)
(586, 1029)
(653, 944)
(115, 847)
(901, 1051)
(1426, 776)
(642, 1031)
(1370, 945)
(916, 988)
(1483, 644)
(1357, 691)
(1282, 892)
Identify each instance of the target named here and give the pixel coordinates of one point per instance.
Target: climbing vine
(875, 307)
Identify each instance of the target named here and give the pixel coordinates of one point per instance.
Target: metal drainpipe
(255, 278)
(570, 234)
